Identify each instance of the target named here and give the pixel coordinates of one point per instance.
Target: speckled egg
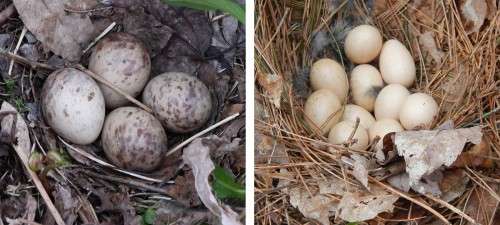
(133, 139)
(182, 102)
(73, 105)
(121, 59)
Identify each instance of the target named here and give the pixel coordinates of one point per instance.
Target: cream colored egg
(389, 101)
(418, 111)
(323, 109)
(366, 83)
(382, 127)
(341, 132)
(363, 44)
(352, 112)
(396, 64)
(329, 74)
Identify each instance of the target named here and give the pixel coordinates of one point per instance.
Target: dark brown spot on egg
(91, 96)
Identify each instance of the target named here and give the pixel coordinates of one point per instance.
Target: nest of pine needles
(457, 63)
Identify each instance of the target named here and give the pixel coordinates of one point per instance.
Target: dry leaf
(22, 144)
(360, 168)
(476, 156)
(473, 12)
(400, 181)
(333, 185)
(269, 150)
(429, 184)
(317, 207)
(66, 202)
(356, 208)
(429, 44)
(197, 156)
(272, 85)
(427, 150)
(64, 33)
(454, 184)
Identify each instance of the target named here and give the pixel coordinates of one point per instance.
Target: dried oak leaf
(425, 151)
(64, 33)
(197, 156)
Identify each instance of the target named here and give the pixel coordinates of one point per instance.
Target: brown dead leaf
(425, 151)
(269, 150)
(476, 156)
(272, 85)
(64, 33)
(473, 13)
(183, 190)
(454, 184)
(118, 201)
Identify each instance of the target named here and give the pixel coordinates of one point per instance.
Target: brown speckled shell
(73, 105)
(133, 139)
(181, 102)
(121, 59)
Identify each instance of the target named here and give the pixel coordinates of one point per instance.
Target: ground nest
(302, 179)
(80, 183)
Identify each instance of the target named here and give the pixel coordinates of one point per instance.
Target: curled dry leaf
(272, 85)
(269, 150)
(354, 207)
(64, 33)
(360, 168)
(427, 150)
(197, 156)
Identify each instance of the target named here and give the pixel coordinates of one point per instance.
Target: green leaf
(352, 223)
(225, 186)
(148, 218)
(227, 6)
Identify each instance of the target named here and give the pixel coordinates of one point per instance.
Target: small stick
(423, 205)
(7, 13)
(21, 221)
(20, 59)
(106, 164)
(201, 133)
(107, 83)
(21, 37)
(106, 31)
(127, 181)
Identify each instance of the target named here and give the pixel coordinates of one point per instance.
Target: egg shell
(121, 59)
(418, 111)
(73, 105)
(340, 133)
(396, 64)
(363, 44)
(133, 139)
(352, 112)
(323, 110)
(366, 82)
(329, 74)
(182, 102)
(382, 127)
(389, 101)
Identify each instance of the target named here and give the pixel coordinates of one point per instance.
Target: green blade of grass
(225, 186)
(227, 6)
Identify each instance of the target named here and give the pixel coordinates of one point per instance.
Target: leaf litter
(187, 39)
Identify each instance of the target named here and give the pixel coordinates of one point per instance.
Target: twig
(110, 85)
(423, 205)
(7, 13)
(106, 31)
(21, 37)
(126, 181)
(106, 164)
(32, 64)
(201, 133)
